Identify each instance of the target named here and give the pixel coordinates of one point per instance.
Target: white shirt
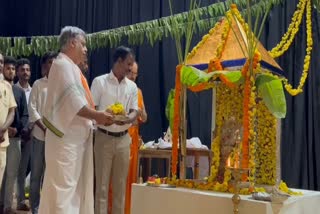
(1, 76)
(66, 96)
(106, 90)
(27, 90)
(37, 101)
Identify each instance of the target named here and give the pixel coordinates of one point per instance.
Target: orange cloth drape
(133, 166)
(87, 90)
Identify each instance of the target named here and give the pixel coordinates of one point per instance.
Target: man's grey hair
(68, 33)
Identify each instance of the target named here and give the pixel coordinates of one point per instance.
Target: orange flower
(226, 81)
(176, 122)
(234, 6)
(246, 99)
(246, 110)
(200, 87)
(217, 66)
(211, 66)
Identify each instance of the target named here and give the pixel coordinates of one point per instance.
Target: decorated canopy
(232, 57)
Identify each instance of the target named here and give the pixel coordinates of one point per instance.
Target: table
(156, 200)
(166, 154)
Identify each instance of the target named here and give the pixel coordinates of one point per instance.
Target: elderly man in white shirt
(69, 111)
(112, 143)
(38, 97)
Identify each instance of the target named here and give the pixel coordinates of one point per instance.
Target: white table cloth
(156, 200)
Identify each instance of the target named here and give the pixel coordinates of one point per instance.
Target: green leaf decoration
(175, 26)
(192, 76)
(271, 90)
(232, 76)
(170, 107)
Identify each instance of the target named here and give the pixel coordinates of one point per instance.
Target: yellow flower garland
(293, 28)
(228, 104)
(224, 36)
(266, 146)
(307, 58)
(204, 39)
(252, 132)
(235, 12)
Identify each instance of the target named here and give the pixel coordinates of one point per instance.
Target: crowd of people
(60, 131)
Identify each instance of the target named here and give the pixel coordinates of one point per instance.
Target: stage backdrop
(301, 128)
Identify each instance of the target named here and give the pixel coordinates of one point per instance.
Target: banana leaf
(192, 76)
(271, 90)
(170, 107)
(232, 76)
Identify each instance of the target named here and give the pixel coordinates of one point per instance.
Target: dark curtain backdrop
(300, 130)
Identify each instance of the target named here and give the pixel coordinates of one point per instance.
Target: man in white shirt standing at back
(23, 69)
(112, 143)
(37, 100)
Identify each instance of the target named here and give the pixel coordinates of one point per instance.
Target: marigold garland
(248, 104)
(246, 124)
(228, 105)
(307, 58)
(266, 158)
(293, 29)
(201, 87)
(176, 123)
(214, 186)
(215, 65)
(235, 12)
(204, 39)
(224, 37)
(252, 118)
(215, 145)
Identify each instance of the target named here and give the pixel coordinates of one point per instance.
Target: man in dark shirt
(13, 151)
(23, 71)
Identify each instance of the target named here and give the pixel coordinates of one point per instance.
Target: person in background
(7, 114)
(135, 136)
(84, 67)
(37, 101)
(68, 115)
(112, 142)
(13, 150)
(23, 69)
